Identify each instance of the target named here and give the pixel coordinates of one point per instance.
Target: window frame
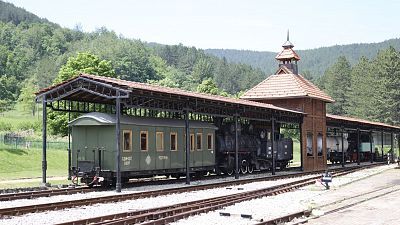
(312, 143)
(320, 140)
(191, 142)
(162, 141)
(201, 141)
(212, 141)
(176, 141)
(147, 140)
(130, 140)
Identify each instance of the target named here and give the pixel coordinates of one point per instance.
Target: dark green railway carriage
(149, 146)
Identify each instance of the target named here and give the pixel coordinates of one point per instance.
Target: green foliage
(26, 99)
(208, 86)
(85, 63)
(317, 60)
(337, 85)
(5, 126)
(372, 92)
(16, 15)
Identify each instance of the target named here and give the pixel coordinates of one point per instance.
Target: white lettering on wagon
(163, 157)
(127, 160)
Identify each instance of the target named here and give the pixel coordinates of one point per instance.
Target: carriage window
(309, 144)
(191, 142)
(127, 140)
(174, 141)
(319, 144)
(210, 142)
(143, 141)
(160, 141)
(198, 141)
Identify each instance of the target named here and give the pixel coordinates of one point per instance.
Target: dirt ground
(381, 210)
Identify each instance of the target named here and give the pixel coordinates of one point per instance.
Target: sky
(259, 25)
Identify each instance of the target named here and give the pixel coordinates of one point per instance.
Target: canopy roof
(104, 90)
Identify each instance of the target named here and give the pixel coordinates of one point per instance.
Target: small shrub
(4, 126)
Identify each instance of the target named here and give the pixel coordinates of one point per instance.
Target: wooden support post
(370, 146)
(358, 146)
(187, 131)
(301, 146)
(382, 146)
(343, 160)
(236, 148)
(272, 145)
(69, 142)
(118, 142)
(391, 147)
(44, 140)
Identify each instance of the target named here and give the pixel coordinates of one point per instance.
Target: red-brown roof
(282, 86)
(356, 120)
(151, 87)
(287, 53)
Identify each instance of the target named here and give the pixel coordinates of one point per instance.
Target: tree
(83, 62)
(26, 99)
(208, 86)
(362, 96)
(387, 73)
(337, 85)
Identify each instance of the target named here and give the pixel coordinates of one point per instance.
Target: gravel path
(269, 207)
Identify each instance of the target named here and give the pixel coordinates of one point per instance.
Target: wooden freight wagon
(149, 146)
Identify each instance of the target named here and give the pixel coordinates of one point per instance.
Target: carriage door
(92, 147)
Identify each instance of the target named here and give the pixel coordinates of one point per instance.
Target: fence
(17, 142)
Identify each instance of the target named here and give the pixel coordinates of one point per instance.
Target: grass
(30, 183)
(27, 163)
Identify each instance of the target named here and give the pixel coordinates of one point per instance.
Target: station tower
(288, 89)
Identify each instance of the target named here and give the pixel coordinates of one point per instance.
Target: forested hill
(16, 15)
(33, 52)
(316, 61)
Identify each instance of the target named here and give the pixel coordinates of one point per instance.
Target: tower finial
(287, 39)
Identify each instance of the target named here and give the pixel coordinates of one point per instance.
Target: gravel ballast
(268, 207)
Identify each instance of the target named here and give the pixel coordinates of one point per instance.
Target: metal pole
(382, 145)
(118, 140)
(301, 146)
(187, 131)
(343, 162)
(391, 147)
(44, 140)
(69, 142)
(370, 146)
(272, 145)
(358, 146)
(236, 149)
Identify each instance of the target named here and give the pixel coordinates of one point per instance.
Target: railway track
(43, 193)
(15, 211)
(171, 213)
(85, 189)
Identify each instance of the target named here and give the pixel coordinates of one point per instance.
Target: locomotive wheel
(244, 167)
(230, 171)
(250, 168)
